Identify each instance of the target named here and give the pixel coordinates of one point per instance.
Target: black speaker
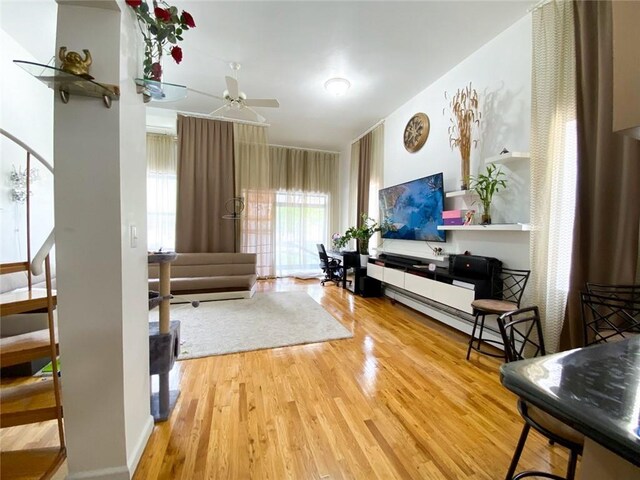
(369, 287)
(473, 266)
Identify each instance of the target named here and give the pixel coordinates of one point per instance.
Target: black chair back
(509, 285)
(322, 254)
(610, 317)
(626, 292)
(521, 332)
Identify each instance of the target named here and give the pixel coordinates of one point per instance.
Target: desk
(349, 259)
(595, 390)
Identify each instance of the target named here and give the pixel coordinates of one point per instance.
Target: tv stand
(437, 293)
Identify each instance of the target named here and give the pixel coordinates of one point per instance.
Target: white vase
(364, 259)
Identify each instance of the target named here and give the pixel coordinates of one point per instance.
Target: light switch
(134, 236)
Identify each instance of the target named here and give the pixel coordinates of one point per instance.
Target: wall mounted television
(415, 209)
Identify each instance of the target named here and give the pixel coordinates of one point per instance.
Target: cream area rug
(268, 320)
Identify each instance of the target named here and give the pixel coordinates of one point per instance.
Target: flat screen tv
(415, 209)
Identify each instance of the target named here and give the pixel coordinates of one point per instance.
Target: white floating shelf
(512, 227)
(460, 193)
(508, 157)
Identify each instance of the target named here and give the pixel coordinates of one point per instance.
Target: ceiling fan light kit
(337, 86)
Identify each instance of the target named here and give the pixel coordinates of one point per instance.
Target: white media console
(439, 299)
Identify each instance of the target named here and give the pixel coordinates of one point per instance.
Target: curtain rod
(232, 120)
(302, 148)
(380, 122)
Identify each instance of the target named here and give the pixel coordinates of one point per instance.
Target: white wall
(102, 278)
(26, 111)
(501, 73)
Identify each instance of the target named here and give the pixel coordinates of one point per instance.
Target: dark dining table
(595, 390)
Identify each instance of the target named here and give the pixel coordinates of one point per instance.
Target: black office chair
(330, 266)
(610, 312)
(507, 289)
(521, 332)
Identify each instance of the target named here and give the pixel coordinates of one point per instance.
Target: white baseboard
(124, 472)
(136, 454)
(112, 473)
(443, 317)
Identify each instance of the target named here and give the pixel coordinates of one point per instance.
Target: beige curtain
(553, 162)
(605, 247)
(305, 183)
(376, 179)
(353, 183)
(364, 177)
(253, 174)
(161, 191)
(205, 185)
(310, 171)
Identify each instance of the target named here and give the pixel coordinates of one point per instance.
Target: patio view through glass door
(301, 221)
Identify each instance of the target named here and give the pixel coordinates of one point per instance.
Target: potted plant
(363, 234)
(485, 185)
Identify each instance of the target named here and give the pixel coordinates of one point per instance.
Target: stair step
(14, 267)
(38, 463)
(24, 348)
(29, 403)
(23, 301)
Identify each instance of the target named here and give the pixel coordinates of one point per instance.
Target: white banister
(37, 264)
(39, 157)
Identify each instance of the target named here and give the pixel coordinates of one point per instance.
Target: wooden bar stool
(507, 289)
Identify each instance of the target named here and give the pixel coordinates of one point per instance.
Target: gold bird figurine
(72, 62)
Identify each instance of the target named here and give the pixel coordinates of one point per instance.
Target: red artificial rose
(156, 71)
(188, 19)
(133, 3)
(176, 53)
(162, 14)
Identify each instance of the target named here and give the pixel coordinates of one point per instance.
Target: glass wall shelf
(160, 92)
(68, 83)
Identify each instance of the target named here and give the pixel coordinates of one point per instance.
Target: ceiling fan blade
(204, 93)
(259, 118)
(232, 86)
(223, 107)
(262, 102)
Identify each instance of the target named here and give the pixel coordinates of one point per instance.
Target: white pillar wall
(100, 193)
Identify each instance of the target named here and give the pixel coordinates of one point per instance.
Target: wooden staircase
(37, 400)
(33, 400)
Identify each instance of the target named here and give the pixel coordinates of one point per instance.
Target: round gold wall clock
(416, 132)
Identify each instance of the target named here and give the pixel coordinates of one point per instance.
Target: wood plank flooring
(396, 401)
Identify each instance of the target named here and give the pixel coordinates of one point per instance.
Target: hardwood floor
(397, 400)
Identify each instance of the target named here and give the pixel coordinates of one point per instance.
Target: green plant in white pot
(486, 185)
(363, 234)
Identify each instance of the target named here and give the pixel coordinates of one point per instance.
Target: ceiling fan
(237, 105)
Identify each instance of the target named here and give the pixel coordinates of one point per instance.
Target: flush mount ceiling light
(337, 86)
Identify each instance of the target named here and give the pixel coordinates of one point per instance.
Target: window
(161, 192)
(301, 223)
(161, 210)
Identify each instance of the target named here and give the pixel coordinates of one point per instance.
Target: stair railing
(37, 263)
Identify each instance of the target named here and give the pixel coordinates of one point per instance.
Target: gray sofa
(209, 276)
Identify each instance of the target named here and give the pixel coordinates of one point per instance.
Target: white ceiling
(389, 51)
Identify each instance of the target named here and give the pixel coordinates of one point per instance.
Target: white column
(100, 192)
